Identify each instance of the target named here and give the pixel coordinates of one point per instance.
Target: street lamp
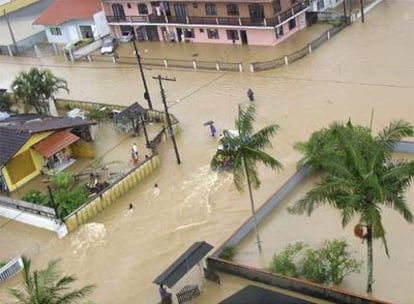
(146, 93)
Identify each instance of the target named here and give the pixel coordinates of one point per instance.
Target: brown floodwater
(368, 68)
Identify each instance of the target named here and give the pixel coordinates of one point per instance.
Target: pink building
(253, 22)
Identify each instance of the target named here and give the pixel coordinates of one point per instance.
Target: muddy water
(368, 67)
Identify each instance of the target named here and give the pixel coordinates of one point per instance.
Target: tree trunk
(370, 259)
(259, 245)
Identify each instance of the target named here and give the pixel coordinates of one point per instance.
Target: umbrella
(208, 123)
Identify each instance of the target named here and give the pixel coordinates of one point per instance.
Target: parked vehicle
(127, 36)
(109, 45)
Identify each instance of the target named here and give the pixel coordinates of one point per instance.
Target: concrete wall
(304, 287)
(30, 41)
(91, 209)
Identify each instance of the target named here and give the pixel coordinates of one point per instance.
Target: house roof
(55, 142)
(17, 129)
(10, 142)
(61, 11)
(183, 264)
(41, 123)
(258, 295)
(131, 112)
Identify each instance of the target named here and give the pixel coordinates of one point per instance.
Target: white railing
(11, 268)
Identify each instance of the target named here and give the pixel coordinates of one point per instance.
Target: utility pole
(343, 2)
(146, 93)
(10, 30)
(170, 130)
(147, 143)
(362, 11)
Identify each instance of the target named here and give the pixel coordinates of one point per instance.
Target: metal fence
(306, 50)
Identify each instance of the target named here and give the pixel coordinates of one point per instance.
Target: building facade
(67, 21)
(251, 22)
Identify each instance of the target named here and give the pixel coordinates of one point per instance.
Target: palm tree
(246, 149)
(44, 286)
(360, 177)
(36, 87)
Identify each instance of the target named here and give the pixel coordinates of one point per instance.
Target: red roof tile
(55, 142)
(61, 11)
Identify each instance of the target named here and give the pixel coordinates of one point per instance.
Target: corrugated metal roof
(254, 294)
(55, 143)
(183, 264)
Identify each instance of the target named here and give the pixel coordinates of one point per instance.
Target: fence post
(240, 67)
(309, 48)
(194, 65)
(55, 49)
(329, 34)
(10, 51)
(166, 63)
(252, 67)
(217, 66)
(286, 60)
(36, 50)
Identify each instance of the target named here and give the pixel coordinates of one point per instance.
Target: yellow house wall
(37, 160)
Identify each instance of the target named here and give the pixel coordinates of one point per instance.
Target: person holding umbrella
(213, 130)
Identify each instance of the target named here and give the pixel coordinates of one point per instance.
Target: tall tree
(361, 177)
(36, 87)
(45, 287)
(245, 149)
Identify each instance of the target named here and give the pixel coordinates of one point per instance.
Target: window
(180, 9)
(128, 5)
(142, 9)
(232, 35)
(320, 5)
(232, 9)
(212, 34)
(55, 31)
(188, 33)
(211, 9)
(293, 2)
(276, 7)
(118, 11)
(292, 24)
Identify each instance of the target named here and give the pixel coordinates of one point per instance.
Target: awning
(258, 295)
(183, 264)
(55, 143)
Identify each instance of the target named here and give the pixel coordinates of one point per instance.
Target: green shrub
(36, 197)
(98, 114)
(227, 253)
(330, 263)
(6, 101)
(285, 262)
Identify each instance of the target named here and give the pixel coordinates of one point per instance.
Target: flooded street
(367, 67)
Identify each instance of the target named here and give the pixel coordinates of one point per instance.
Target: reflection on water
(345, 78)
(88, 235)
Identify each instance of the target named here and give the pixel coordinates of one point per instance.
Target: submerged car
(127, 36)
(109, 45)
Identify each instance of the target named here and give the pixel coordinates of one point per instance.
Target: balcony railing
(232, 21)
